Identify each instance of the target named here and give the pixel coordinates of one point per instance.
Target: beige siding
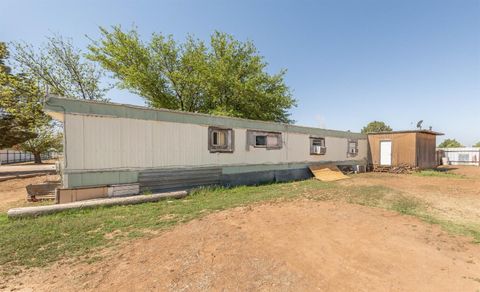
(101, 143)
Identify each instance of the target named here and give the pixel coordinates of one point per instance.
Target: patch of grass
(386, 198)
(437, 173)
(471, 230)
(38, 241)
(371, 196)
(75, 233)
(406, 205)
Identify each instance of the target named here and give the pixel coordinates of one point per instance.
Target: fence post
(7, 156)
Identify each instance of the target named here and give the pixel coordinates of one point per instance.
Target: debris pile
(400, 169)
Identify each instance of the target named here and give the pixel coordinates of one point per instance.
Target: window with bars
(220, 140)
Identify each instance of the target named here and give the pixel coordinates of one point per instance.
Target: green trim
(108, 177)
(233, 169)
(74, 180)
(75, 106)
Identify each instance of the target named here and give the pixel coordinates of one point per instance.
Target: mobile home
(460, 155)
(162, 150)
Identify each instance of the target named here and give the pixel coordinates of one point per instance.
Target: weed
(406, 205)
(438, 173)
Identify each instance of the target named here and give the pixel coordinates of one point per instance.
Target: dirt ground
(456, 198)
(13, 192)
(290, 246)
(299, 245)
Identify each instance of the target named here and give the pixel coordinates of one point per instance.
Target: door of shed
(385, 152)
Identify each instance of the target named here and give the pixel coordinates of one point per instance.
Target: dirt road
(290, 246)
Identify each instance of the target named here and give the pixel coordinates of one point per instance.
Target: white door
(385, 152)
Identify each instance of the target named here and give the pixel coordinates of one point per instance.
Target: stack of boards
(327, 173)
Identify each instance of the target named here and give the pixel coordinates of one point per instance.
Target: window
(464, 157)
(261, 141)
(220, 140)
(317, 146)
(268, 140)
(352, 148)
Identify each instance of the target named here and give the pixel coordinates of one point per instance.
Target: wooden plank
(327, 173)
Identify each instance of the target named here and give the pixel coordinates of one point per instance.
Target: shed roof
(407, 131)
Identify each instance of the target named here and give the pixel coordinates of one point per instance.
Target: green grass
(38, 241)
(438, 173)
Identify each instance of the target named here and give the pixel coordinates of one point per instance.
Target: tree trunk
(38, 158)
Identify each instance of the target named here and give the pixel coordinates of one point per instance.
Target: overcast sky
(349, 62)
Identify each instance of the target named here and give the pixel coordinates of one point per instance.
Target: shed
(414, 148)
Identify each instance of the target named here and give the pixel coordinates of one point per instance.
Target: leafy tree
(13, 132)
(14, 117)
(225, 77)
(376, 126)
(477, 145)
(46, 139)
(61, 67)
(450, 143)
(4, 54)
(22, 120)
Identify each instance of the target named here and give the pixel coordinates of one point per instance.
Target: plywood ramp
(327, 173)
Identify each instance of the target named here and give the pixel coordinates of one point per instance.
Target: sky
(349, 62)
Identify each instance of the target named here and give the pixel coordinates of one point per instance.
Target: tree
(226, 77)
(4, 54)
(14, 116)
(61, 67)
(13, 132)
(22, 120)
(477, 145)
(376, 126)
(450, 143)
(46, 139)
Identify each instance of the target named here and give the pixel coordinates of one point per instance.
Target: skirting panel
(268, 176)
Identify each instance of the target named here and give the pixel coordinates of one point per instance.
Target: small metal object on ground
(42, 210)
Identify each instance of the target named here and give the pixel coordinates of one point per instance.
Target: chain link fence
(13, 156)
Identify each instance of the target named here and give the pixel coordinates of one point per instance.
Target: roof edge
(100, 108)
(407, 131)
